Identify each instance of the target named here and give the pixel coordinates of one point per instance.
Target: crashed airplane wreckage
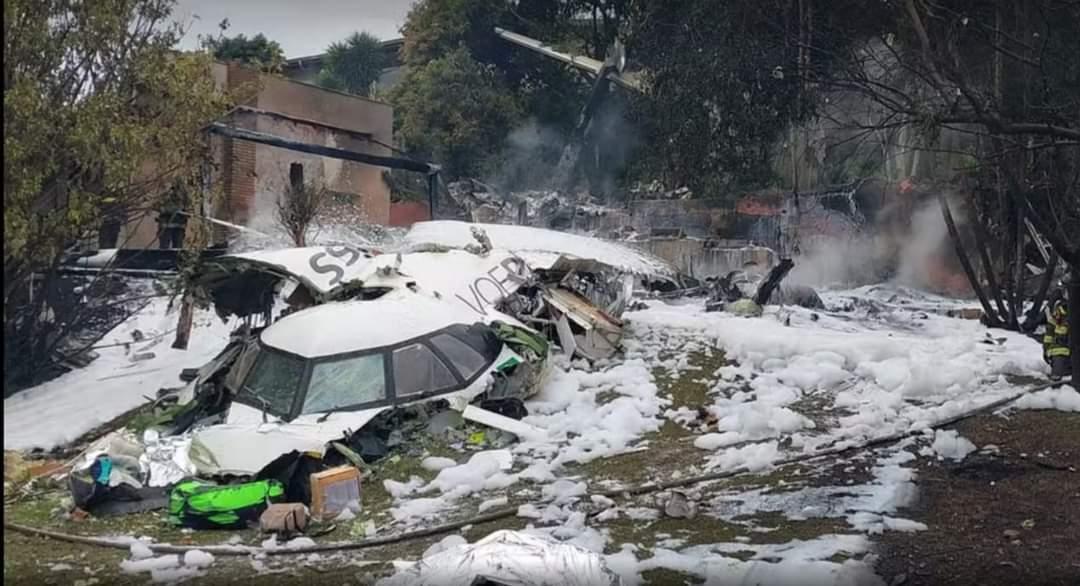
(460, 319)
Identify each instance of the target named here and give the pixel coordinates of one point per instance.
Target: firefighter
(171, 220)
(112, 222)
(1056, 337)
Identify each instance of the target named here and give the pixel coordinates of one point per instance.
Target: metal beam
(324, 151)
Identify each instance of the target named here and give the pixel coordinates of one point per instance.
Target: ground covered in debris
(693, 393)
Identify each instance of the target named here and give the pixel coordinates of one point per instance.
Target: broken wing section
(538, 246)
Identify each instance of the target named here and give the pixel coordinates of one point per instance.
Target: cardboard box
(332, 490)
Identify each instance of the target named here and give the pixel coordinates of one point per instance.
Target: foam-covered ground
(791, 382)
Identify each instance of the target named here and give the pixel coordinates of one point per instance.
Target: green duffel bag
(201, 505)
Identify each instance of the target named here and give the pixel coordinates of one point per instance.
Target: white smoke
(887, 251)
(843, 261)
(531, 152)
(928, 236)
(533, 155)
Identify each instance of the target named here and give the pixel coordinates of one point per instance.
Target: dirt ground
(1007, 518)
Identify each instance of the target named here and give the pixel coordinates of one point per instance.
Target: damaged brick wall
(406, 213)
(248, 177)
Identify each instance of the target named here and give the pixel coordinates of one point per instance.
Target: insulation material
(166, 458)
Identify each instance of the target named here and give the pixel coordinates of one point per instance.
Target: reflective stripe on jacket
(1056, 339)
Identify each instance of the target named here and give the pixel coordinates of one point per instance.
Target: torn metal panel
(320, 268)
(250, 439)
(566, 335)
(578, 309)
(244, 449)
(597, 344)
(519, 428)
(598, 334)
(606, 289)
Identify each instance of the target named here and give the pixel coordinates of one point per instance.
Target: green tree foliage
(723, 87)
(544, 92)
(257, 51)
(550, 92)
(353, 65)
(455, 110)
(98, 110)
(434, 28)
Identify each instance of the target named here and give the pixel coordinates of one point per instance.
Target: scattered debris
(333, 491)
(679, 506)
(200, 505)
(284, 519)
(730, 292)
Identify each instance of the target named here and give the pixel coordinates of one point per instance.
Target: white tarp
(512, 558)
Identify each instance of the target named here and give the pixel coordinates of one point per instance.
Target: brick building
(251, 177)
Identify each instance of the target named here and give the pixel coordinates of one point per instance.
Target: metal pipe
(433, 186)
(325, 151)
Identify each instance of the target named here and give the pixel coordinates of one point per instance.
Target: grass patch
(701, 530)
(787, 478)
(669, 448)
(790, 529)
(482, 530)
(668, 451)
(690, 387)
(665, 576)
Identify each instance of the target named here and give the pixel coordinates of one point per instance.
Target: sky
(301, 27)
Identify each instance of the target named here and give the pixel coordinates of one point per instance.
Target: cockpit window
(418, 370)
(274, 381)
(286, 385)
(345, 382)
(465, 359)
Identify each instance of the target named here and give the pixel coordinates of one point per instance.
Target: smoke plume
(912, 251)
